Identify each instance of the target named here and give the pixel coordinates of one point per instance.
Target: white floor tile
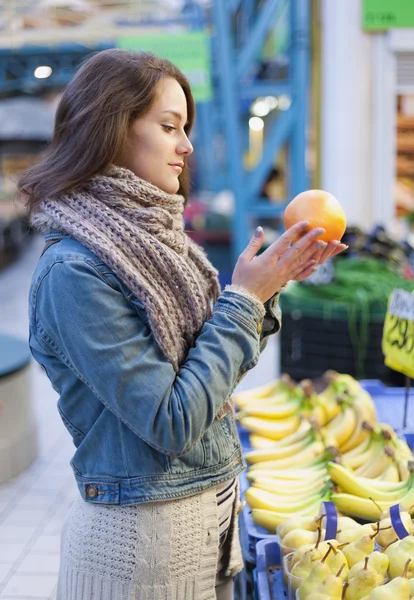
(10, 552)
(16, 533)
(47, 544)
(38, 563)
(34, 586)
(25, 516)
(54, 527)
(5, 568)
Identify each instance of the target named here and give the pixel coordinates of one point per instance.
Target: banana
(367, 509)
(403, 469)
(360, 433)
(270, 519)
(358, 460)
(358, 507)
(256, 456)
(391, 473)
(375, 466)
(351, 484)
(304, 428)
(275, 430)
(257, 498)
(357, 450)
(342, 426)
(279, 389)
(280, 488)
(267, 410)
(260, 443)
(297, 475)
(311, 452)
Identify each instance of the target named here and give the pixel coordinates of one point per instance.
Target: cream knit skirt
(157, 551)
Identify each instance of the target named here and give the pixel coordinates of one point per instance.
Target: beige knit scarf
(138, 231)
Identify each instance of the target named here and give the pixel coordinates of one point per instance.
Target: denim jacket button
(259, 327)
(92, 491)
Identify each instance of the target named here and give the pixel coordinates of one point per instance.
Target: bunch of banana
(365, 498)
(277, 391)
(295, 433)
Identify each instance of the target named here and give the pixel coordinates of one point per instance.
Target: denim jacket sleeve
(100, 336)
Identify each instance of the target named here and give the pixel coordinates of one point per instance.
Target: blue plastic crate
(268, 573)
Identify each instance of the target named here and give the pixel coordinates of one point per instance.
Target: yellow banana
(270, 519)
(310, 453)
(281, 388)
(256, 456)
(267, 410)
(375, 466)
(342, 426)
(390, 473)
(360, 433)
(358, 507)
(300, 475)
(285, 492)
(357, 450)
(272, 429)
(351, 484)
(302, 431)
(357, 460)
(257, 498)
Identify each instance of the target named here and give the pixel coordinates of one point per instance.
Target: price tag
(398, 335)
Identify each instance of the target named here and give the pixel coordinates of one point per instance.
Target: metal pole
(228, 91)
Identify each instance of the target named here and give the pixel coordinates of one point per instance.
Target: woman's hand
(295, 255)
(329, 250)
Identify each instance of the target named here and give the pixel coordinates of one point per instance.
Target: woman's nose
(185, 148)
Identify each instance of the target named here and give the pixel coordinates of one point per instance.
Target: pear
(314, 551)
(331, 587)
(353, 533)
(316, 596)
(411, 582)
(399, 553)
(358, 550)
(318, 573)
(378, 561)
(337, 561)
(361, 584)
(387, 531)
(307, 523)
(299, 537)
(396, 589)
(301, 568)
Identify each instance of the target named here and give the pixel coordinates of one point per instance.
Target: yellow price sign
(398, 335)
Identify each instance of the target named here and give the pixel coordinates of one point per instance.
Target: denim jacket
(142, 432)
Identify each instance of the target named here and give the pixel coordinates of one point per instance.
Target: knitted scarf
(138, 231)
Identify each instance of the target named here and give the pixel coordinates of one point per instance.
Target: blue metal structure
(239, 29)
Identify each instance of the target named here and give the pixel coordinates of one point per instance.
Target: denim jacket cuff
(238, 289)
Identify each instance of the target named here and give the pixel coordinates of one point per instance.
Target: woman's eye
(168, 128)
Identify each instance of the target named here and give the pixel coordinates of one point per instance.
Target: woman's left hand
(330, 250)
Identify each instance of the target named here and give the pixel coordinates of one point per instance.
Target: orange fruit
(320, 209)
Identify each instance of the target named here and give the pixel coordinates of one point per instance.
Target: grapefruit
(320, 209)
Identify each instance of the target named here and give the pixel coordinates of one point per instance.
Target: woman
(127, 319)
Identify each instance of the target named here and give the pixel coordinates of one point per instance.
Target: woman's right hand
(291, 256)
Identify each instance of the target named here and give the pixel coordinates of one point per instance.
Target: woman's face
(157, 142)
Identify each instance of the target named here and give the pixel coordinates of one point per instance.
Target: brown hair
(110, 90)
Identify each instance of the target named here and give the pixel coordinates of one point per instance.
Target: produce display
(309, 447)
